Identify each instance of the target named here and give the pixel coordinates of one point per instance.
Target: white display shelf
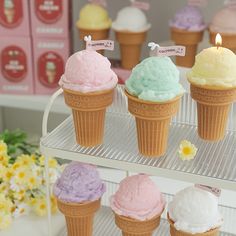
(32, 102)
(104, 224)
(213, 164)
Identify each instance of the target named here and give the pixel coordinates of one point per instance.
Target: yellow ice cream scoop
(214, 67)
(93, 17)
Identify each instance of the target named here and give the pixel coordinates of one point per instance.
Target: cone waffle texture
(228, 40)
(175, 232)
(130, 47)
(152, 123)
(101, 34)
(213, 106)
(132, 227)
(190, 40)
(88, 111)
(79, 217)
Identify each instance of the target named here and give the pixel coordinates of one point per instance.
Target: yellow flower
(16, 165)
(2, 170)
(21, 176)
(40, 206)
(53, 204)
(26, 160)
(187, 150)
(4, 159)
(3, 148)
(5, 220)
(7, 174)
(52, 163)
(6, 204)
(19, 195)
(4, 187)
(41, 161)
(32, 182)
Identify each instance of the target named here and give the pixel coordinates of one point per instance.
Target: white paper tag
(99, 2)
(141, 5)
(215, 191)
(168, 51)
(198, 3)
(100, 45)
(230, 3)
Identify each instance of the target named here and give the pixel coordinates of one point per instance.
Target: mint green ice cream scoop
(155, 79)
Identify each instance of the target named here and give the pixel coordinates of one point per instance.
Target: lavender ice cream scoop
(79, 183)
(188, 18)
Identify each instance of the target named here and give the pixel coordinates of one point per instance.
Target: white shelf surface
(104, 224)
(32, 102)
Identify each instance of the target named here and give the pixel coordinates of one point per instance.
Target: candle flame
(218, 40)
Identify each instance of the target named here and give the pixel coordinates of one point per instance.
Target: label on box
(100, 45)
(141, 5)
(11, 13)
(99, 2)
(50, 68)
(198, 3)
(14, 63)
(48, 11)
(215, 191)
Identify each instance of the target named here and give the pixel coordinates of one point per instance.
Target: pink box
(50, 18)
(14, 18)
(16, 74)
(49, 62)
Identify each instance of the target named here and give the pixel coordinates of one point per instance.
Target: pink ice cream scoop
(88, 71)
(138, 197)
(224, 21)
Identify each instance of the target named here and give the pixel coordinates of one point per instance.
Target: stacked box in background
(16, 73)
(51, 42)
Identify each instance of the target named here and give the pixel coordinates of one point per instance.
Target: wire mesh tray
(213, 164)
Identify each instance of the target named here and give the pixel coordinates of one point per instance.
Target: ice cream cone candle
(213, 87)
(88, 84)
(224, 23)
(187, 29)
(131, 29)
(153, 92)
(94, 20)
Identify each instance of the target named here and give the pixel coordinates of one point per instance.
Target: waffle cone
(79, 217)
(152, 123)
(132, 227)
(190, 40)
(130, 47)
(213, 107)
(101, 34)
(228, 40)
(88, 111)
(175, 232)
